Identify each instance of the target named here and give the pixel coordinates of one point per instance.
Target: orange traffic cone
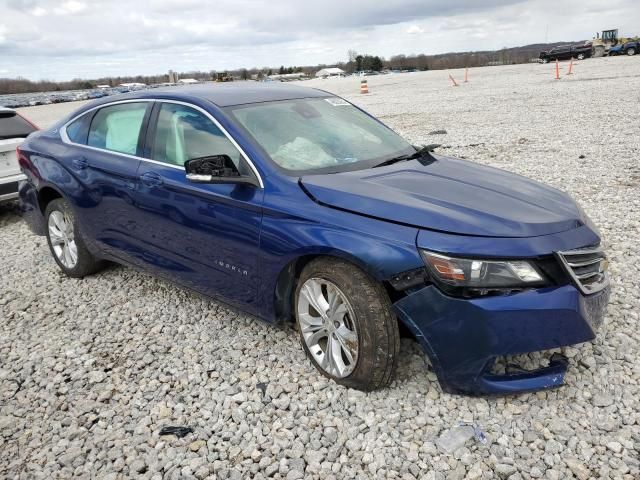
(453, 80)
(364, 88)
(557, 70)
(466, 75)
(570, 72)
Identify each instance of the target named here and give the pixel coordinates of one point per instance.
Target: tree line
(355, 62)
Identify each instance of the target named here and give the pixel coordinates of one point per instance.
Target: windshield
(319, 135)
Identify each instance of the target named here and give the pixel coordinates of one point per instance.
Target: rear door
(205, 236)
(104, 156)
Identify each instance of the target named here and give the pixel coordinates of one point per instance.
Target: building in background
(330, 72)
(133, 85)
(173, 77)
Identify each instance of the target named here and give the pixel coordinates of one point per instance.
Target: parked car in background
(293, 204)
(566, 52)
(13, 130)
(631, 48)
(616, 50)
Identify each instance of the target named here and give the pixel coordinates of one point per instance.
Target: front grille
(586, 267)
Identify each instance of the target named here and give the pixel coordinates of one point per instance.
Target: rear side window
(13, 125)
(117, 127)
(78, 130)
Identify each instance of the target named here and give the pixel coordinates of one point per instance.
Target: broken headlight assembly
(471, 277)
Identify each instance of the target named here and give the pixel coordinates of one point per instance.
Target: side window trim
(144, 129)
(147, 152)
(65, 137)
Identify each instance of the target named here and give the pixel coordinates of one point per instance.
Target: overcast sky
(65, 39)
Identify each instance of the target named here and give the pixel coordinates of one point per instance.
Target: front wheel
(545, 60)
(631, 51)
(581, 56)
(65, 242)
(346, 325)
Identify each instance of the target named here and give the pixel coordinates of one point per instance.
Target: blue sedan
(294, 205)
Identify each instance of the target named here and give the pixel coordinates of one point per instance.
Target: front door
(205, 236)
(564, 53)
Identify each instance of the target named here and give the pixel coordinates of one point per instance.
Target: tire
(545, 60)
(581, 56)
(598, 51)
(631, 51)
(364, 317)
(65, 242)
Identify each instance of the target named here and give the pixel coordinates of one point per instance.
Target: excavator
(602, 44)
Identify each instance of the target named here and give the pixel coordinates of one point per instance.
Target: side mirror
(215, 169)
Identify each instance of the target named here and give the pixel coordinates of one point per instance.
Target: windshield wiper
(421, 153)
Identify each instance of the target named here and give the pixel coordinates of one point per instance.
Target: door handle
(151, 179)
(80, 163)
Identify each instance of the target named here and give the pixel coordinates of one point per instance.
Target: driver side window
(183, 133)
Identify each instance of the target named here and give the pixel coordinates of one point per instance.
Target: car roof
(226, 94)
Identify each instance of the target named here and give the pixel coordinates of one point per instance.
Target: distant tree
(270, 72)
(244, 74)
(359, 60)
(376, 63)
(281, 71)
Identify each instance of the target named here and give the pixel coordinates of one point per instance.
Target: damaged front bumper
(463, 337)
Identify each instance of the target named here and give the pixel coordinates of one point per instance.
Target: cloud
(20, 4)
(414, 30)
(70, 7)
(114, 37)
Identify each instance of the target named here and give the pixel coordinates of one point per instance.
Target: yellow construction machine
(601, 44)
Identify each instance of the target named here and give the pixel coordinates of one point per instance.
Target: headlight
(472, 273)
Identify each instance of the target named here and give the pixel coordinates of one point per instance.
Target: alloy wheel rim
(328, 328)
(62, 238)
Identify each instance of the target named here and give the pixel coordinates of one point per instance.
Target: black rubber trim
(8, 188)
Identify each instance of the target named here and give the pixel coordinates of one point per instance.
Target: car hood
(449, 195)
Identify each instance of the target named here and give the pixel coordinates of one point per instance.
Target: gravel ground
(91, 370)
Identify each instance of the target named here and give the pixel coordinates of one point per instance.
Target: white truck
(13, 130)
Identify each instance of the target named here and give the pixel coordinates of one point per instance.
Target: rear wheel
(346, 325)
(631, 51)
(581, 56)
(545, 60)
(65, 242)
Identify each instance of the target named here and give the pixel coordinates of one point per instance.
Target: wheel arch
(283, 296)
(45, 195)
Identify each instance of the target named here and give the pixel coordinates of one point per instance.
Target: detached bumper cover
(29, 207)
(463, 337)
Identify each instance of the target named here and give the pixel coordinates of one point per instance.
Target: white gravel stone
(92, 369)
